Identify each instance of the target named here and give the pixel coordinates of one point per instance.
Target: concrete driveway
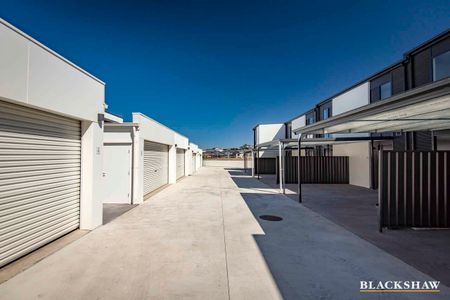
(202, 239)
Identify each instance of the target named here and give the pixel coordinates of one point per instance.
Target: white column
(187, 162)
(253, 163)
(138, 167)
(91, 202)
(280, 165)
(172, 164)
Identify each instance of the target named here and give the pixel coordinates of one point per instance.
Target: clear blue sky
(213, 69)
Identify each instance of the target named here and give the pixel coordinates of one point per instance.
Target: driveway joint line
(225, 245)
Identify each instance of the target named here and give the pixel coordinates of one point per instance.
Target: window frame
(433, 69)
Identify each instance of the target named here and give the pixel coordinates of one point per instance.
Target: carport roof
(293, 143)
(422, 108)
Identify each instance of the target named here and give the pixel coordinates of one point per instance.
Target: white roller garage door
(180, 163)
(40, 166)
(156, 166)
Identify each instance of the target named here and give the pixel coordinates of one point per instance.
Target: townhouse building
(424, 65)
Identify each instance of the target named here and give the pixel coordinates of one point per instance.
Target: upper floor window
(310, 119)
(381, 87)
(385, 90)
(326, 113)
(441, 66)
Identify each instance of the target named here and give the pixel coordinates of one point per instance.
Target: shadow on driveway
(113, 210)
(354, 208)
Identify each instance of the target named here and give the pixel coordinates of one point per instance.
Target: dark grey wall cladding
(422, 67)
(398, 80)
(267, 165)
(316, 169)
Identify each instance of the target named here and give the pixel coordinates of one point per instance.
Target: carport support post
(280, 167)
(257, 162)
(299, 166)
(253, 163)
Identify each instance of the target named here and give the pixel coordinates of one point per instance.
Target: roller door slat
(16, 211)
(34, 174)
(48, 191)
(38, 139)
(21, 163)
(20, 232)
(18, 186)
(35, 201)
(24, 177)
(37, 241)
(35, 113)
(37, 212)
(37, 168)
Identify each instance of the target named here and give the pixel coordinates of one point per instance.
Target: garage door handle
(104, 174)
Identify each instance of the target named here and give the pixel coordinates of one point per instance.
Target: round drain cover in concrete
(271, 218)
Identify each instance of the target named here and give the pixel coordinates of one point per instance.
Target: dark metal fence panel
(317, 169)
(267, 165)
(414, 189)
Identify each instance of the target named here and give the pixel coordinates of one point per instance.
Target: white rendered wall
(193, 152)
(354, 98)
(91, 204)
(298, 123)
(138, 167)
(33, 75)
(188, 165)
(187, 162)
(181, 141)
(269, 132)
(117, 135)
(152, 130)
(172, 164)
(359, 161)
(224, 163)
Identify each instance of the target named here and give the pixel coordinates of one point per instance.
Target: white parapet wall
(234, 164)
(269, 132)
(33, 75)
(354, 98)
(297, 123)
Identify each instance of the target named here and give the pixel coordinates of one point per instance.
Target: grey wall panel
(40, 173)
(156, 166)
(398, 80)
(422, 67)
